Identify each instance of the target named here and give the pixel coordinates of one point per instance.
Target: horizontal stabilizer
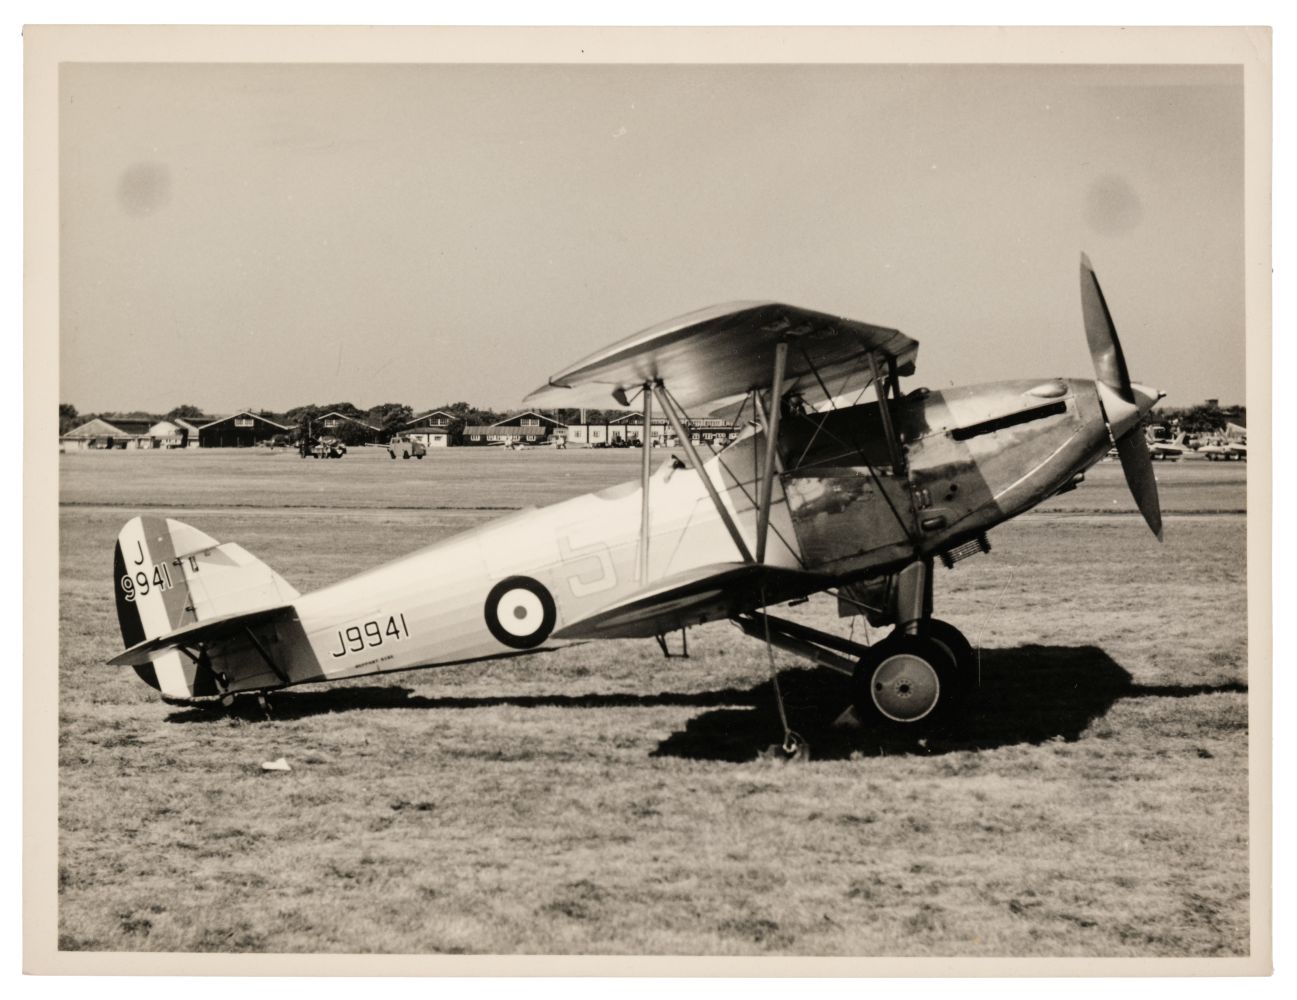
(199, 633)
(690, 598)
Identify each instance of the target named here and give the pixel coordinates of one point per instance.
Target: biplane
(823, 491)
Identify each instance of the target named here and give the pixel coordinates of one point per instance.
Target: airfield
(604, 799)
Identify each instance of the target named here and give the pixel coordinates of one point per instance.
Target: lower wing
(720, 590)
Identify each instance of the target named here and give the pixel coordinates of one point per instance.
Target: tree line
(1203, 418)
(389, 418)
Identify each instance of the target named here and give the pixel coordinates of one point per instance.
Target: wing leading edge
(725, 351)
(695, 596)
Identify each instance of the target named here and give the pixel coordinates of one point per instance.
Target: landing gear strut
(918, 675)
(907, 682)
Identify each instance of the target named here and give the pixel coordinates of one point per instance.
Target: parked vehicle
(407, 447)
(328, 447)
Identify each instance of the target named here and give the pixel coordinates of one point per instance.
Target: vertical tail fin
(167, 575)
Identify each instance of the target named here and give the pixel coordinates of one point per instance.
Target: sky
(266, 236)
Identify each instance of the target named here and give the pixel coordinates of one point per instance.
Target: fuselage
(844, 505)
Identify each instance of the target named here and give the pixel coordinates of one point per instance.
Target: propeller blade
(1101, 334)
(1137, 464)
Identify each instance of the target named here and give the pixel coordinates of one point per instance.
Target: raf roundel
(520, 612)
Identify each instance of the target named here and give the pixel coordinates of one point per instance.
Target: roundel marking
(520, 612)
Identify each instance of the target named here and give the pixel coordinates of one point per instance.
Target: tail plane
(169, 577)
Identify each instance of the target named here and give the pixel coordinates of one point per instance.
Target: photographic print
(704, 507)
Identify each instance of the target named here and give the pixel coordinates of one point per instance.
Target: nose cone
(1123, 414)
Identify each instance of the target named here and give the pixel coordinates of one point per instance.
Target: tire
(906, 683)
(961, 651)
(405, 455)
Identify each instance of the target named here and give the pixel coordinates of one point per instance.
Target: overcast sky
(266, 236)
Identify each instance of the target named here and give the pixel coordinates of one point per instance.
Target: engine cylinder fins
(959, 553)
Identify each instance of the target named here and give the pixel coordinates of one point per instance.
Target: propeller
(1123, 403)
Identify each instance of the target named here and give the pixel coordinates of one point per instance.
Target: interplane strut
(677, 425)
(766, 492)
(646, 469)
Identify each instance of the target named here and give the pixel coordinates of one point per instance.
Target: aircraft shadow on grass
(1026, 695)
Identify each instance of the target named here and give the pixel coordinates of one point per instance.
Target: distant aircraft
(860, 501)
(1225, 451)
(1168, 450)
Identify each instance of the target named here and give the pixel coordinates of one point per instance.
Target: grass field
(603, 799)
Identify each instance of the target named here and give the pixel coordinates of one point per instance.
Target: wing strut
(265, 655)
(771, 421)
(764, 422)
(664, 399)
(646, 470)
(885, 411)
(911, 527)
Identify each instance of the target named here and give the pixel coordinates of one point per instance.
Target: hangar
(121, 432)
(591, 435)
(631, 428)
(169, 434)
(715, 431)
(189, 426)
(432, 429)
(239, 430)
(528, 427)
(350, 429)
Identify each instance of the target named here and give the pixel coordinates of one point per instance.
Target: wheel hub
(905, 687)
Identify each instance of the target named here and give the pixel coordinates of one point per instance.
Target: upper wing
(695, 596)
(723, 352)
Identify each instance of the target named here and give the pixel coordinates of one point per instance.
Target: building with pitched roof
(352, 429)
(528, 427)
(113, 433)
(239, 430)
(433, 429)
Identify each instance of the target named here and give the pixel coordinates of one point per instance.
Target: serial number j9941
(356, 638)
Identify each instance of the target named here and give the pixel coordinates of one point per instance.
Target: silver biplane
(821, 492)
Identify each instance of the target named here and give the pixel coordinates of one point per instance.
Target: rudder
(166, 575)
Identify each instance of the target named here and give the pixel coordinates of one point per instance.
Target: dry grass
(602, 799)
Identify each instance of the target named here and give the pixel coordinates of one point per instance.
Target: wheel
(905, 681)
(405, 454)
(960, 650)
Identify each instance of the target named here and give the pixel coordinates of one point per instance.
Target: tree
(184, 411)
(296, 414)
(346, 409)
(481, 418)
(565, 415)
(389, 417)
(1202, 419)
(68, 417)
(352, 434)
(303, 418)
